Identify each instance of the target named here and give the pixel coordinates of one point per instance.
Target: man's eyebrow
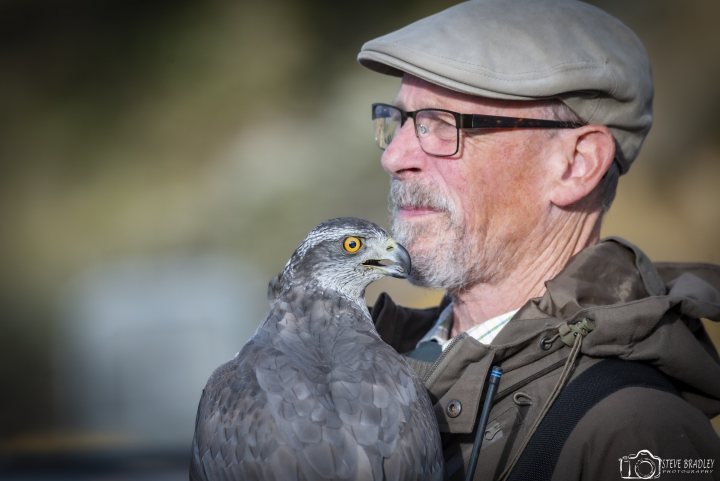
(399, 104)
(431, 104)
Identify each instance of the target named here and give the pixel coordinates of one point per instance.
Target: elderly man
(504, 144)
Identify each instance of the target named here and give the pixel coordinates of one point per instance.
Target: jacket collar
(642, 312)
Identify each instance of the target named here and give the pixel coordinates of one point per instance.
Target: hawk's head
(344, 255)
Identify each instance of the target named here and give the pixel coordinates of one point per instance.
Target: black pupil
(352, 244)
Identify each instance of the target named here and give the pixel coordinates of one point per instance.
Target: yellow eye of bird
(352, 244)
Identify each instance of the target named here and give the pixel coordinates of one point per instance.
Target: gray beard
(453, 259)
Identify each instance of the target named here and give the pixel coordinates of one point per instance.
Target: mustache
(415, 194)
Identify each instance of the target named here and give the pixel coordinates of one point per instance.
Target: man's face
(469, 218)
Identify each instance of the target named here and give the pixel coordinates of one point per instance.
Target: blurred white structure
(140, 339)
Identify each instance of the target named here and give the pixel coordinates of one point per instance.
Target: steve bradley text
(686, 464)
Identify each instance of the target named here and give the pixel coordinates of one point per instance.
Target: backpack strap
(538, 460)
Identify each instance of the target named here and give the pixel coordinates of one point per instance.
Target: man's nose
(404, 156)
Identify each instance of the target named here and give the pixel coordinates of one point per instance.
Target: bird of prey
(315, 394)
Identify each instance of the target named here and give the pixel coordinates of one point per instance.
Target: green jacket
(630, 309)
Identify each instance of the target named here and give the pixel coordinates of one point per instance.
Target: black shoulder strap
(538, 460)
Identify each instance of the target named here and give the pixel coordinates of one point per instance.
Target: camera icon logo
(643, 465)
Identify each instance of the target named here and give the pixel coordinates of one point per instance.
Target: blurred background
(162, 159)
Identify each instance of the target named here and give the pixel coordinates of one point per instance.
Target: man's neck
(546, 259)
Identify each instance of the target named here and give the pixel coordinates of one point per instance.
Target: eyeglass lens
(435, 129)
(387, 120)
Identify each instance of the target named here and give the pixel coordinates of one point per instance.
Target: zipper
(453, 342)
(503, 392)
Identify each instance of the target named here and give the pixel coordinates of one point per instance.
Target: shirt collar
(484, 332)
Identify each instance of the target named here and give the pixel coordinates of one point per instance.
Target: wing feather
(314, 397)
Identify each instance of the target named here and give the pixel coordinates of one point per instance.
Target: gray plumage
(315, 394)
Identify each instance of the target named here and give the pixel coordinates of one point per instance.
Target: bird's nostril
(389, 248)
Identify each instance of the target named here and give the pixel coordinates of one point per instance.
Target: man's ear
(588, 152)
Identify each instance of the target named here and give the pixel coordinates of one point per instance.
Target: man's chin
(417, 229)
(419, 280)
(424, 264)
(437, 264)
(428, 277)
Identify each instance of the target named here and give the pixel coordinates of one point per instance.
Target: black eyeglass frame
(480, 121)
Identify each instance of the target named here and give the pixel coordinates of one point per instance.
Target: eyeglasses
(438, 130)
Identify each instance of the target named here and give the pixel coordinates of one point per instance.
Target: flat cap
(529, 50)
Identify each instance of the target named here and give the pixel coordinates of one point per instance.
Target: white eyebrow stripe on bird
(319, 234)
(315, 393)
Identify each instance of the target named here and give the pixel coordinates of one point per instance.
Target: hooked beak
(395, 262)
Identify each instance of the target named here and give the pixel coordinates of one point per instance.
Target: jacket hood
(641, 311)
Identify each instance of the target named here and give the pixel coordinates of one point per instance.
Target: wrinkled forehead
(415, 93)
